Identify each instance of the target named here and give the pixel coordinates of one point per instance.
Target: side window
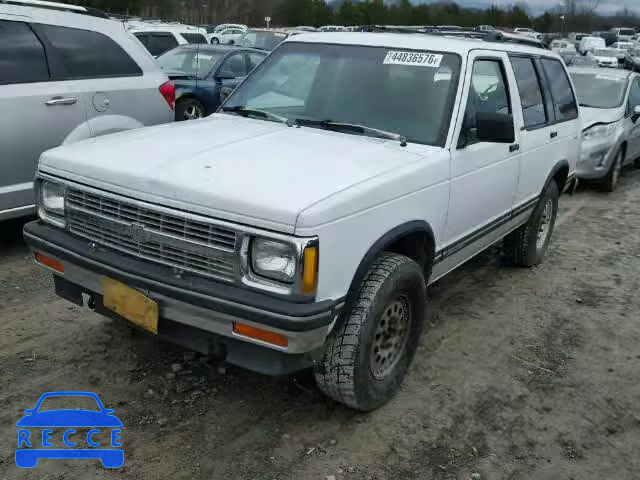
(634, 95)
(86, 54)
(564, 102)
(488, 93)
(22, 58)
(161, 42)
(194, 38)
(530, 93)
(254, 60)
(234, 66)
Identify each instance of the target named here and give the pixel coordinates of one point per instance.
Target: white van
(589, 44)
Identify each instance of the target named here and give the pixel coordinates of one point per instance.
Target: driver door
(484, 175)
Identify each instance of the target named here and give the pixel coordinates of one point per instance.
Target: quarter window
(22, 58)
(564, 102)
(160, 43)
(86, 54)
(530, 92)
(488, 93)
(194, 38)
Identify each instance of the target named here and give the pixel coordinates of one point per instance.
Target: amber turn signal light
(52, 263)
(260, 334)
(310, 270)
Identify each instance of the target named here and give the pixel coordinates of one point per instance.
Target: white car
(159, 38)
(226, 36)
(610, 102)
(528, 32)
(623, 34)
(300, 226)
(605, 57)
(589, 44)
(622, 49)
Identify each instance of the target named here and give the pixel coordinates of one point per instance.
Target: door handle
(514, 148)
(553, 134)
(61, 101)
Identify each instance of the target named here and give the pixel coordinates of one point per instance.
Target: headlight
(51, 203)
(600, 132)
(273, 259)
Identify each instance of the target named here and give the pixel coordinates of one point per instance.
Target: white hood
(591, 116)
(250, 171)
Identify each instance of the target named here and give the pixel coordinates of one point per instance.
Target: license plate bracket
(130, 304)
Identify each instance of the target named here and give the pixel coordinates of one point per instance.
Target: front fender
(102, 125)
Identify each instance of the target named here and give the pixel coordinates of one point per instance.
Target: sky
(607, 7)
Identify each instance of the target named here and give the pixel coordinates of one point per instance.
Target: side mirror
(495, 127)
(636, 113)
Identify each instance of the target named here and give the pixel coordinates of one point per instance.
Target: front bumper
(594, 162)
(195, 312)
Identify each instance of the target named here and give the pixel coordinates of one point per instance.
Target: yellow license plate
(131, 304)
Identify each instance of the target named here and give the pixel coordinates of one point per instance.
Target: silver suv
(67, 73)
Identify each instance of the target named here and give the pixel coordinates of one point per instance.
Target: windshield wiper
(363, 129)
(258, 113)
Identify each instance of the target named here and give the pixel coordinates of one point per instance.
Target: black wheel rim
(390, 339)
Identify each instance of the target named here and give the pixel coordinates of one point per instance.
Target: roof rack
(491, 36)
(64, 7)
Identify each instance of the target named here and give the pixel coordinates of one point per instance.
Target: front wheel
(367, 355)
(527, 245)
(215, 41)
(613, 176)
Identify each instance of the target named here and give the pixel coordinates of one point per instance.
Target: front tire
(367, 355)
(527, 245)
(611, 180)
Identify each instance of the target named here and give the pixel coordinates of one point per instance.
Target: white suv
(300, 226)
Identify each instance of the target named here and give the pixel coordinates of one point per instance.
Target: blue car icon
(31, 447)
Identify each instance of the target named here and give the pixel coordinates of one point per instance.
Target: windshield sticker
(413, 58)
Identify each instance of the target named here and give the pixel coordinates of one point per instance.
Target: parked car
(589, 44)
(224, 26)
(226, 36)
(528, 32)
(304, 28)
(485, 28)
(622, 48)
(159, 37)
(632, 59)
(623, 34)
(605, 57)
(54, 92)
(576, 38)
(264, 39)
(300, 226)
(565, 49)
(610, 102)
(205, 74)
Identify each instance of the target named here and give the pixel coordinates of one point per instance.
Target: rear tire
(366, 356)
(610, 182)
(527, 245)
(189, 109)
(215, 41)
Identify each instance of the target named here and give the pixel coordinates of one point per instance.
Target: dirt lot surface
(521, 374)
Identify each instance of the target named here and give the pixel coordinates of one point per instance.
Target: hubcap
(192, 112)
(545, 223)
(391, 337)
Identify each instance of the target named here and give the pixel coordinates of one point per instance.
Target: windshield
(409, 92)
(189, 62)
(599, 90)
(66, 402)
(262, 40)
(599, 52)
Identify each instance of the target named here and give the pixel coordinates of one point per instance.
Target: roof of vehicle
(163, 27)
(417, 41)
(63, 7)
(205, 47)
(599, 71)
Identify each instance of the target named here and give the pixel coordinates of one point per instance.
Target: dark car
(205, 74)
(265, 40)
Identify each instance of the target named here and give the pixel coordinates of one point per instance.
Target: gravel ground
(521, 374)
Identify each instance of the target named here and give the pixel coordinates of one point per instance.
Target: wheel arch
(560, 174)
(414, 239)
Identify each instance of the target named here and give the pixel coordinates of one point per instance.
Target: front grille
(171, 239)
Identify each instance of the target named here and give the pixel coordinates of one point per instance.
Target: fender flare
(383, 243)
(556, 168)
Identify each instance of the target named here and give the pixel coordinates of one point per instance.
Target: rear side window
(564, 102)
(530, 92)
(194, 37)
(87, 54)
(144, 38)
(22, 58)
(160, 43)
